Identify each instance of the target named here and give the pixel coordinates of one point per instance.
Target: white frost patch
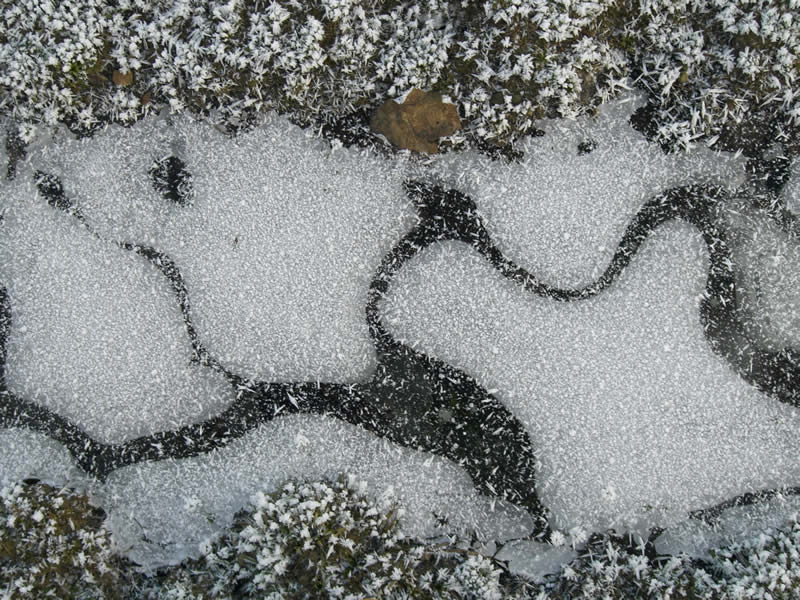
(561, 214)
(97, 335)
(767, 263)
(278, 248)
(176, 505)
(634, 419)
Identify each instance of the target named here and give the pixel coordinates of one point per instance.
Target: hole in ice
(172, 180)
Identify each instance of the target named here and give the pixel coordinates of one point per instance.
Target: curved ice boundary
(608, 384)
(411, 398)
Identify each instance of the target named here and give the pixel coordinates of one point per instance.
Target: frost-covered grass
(612, 567)
(332, 540)
(715, 62)
(705, 63)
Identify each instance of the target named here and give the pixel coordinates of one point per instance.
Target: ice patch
(277, 249)
(736, 525)
(621, 392)
(26, 454)
(559, 213)
(177, 504)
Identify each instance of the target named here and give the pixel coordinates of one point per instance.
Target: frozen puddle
(152, 342)
(560, 212)
(97, 335)
(277, 247)
(629, 411)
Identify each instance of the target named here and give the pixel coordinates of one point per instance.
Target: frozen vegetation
(706, 65)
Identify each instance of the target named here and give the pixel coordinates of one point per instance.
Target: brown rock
(122, 79)
(417, 123)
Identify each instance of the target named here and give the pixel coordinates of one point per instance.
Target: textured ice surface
(792, 190)
(160, 512)
(559, 213)
(277, 249)
(768, 269)
(26, 454)
(277, 252)
(3, 153)
(735, 525)
(633, 417)
(631, 414)
(97, 334)
(535, 560)
(176, 508)
(175, 505)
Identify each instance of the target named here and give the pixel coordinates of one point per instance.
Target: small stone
(122, 79)
(497, 98)
(417, 123)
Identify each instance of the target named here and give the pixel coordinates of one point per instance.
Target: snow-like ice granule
(176, 504)
(278, 247)
(97, 334)
(561, 214)
(632, 415)
(767, 261)
(791, 191)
